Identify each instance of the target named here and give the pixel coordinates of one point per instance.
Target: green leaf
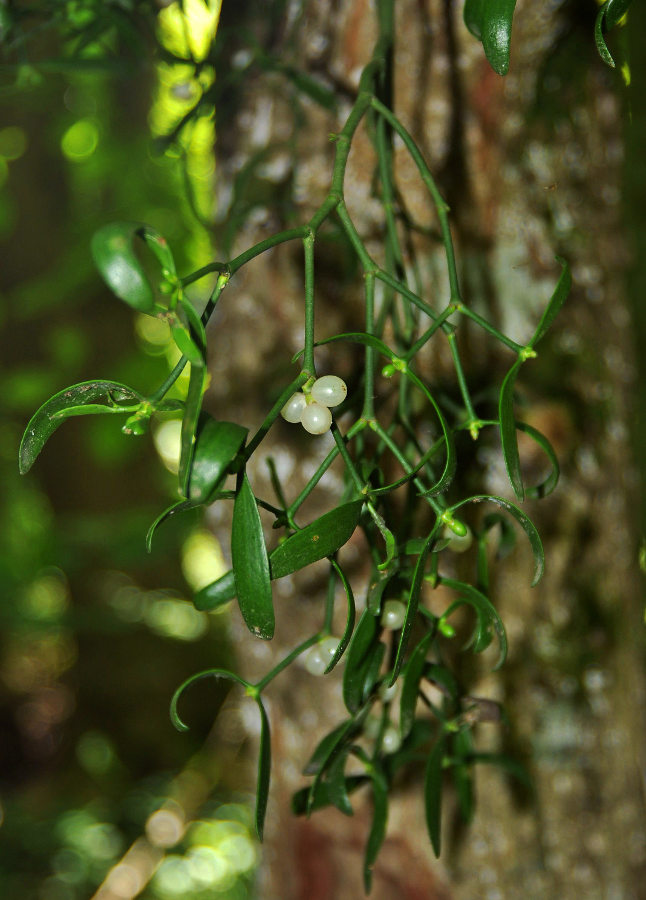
(180, 506)
(508, 430)
(615, 10)
(361, 337)
(549, 483)
(177, 721)
(558, 298)
(462, 748)
(337, 784)
(412, 677)
(192, 408)
(251, 564)
(264, 770)
(376, 590)
(363, 663)
(473, 14)
(486, 615)
(387, 535)
(379, 821)
(525, 523)
(326, 746)
(599, 39)
(113, 250)
(490, 21)
(412, 605)
(323, 795)
(450, 465)
(217, 593)
(433, 793)
(216, 446)
(321, 538)
(350, 618)
(79, 399)
(507, 763)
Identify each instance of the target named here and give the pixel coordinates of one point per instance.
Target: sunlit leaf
(216, 446)
(217, 593)
(616, 10)
(491, 21)
(251, 564)
(599, 39)
(192, 409)
(88, 397)
(433, 793)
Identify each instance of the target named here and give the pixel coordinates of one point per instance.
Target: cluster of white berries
(319, 657)
(312, 409)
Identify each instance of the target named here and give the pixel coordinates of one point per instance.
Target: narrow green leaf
(450, 465)
(73, 401)
(177, 721)
(508, 764)
(251, 564)
(113, 250)
(376, 590)
(264, 770)
(361, 337)
(321, 538)
(549, 483)
(496, 23)
(433, 793)
(216, 446)
(412, 605)
(350, 618)
(486, 615)
(461, 748)
(217, 593)
(599, 39)
(410, 690)
(387, 535)
(325, 747)
(323, 795)
(337, 784)
(558, 298)
(180, 506)
(192, 408)
(508, 430)
(379, 821)
(365, 651)
(525, 523)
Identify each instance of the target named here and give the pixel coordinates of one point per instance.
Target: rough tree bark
(531, 166)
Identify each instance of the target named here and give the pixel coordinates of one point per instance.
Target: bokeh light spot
(80, 140)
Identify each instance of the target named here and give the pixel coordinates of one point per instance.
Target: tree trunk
(531, 166)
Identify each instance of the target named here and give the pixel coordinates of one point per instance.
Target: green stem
(283, 664)
(406, 466)
(369, 365)
(273, 414)
(308, 356)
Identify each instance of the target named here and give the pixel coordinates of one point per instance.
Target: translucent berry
(316, 418)
(329, 390)
(457, 542)
(293, 409)
(386, 691)
(391, 741)
(316, 661)
(393, 615)
(329, 646)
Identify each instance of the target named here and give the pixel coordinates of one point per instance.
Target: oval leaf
(321, 538)
(216, 446)
(496, 22)
(615, 10)
(413, 603)
(251, 564)
(114, 254)
(73, 401)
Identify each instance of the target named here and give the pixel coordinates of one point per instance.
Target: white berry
(393, 615)
(391, 741)
(330, 390)
(293, 409)
(316, 661)
(329, 646)
(316, 418)
(387, 692)
(457, 543)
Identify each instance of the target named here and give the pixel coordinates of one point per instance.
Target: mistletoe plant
(397, 649)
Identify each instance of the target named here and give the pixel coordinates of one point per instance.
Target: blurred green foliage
(91, 771)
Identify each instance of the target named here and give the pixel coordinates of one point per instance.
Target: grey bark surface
(522, 187)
